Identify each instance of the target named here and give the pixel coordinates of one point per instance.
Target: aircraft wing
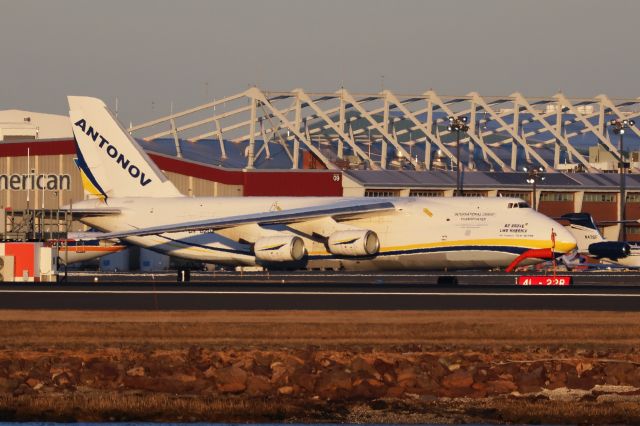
(75, 213)
(105, 211)
(339, 211)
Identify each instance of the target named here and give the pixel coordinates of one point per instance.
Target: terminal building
(259, 143)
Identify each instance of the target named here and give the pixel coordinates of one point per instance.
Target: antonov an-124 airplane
(135, 202)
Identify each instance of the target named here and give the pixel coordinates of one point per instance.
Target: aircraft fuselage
(421, 234)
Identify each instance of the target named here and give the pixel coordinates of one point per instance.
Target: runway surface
(304, 296)
(613, 278)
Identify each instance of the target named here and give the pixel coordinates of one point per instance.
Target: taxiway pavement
(613, 278)
(305, 296)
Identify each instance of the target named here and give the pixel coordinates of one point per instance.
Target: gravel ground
(371, 367)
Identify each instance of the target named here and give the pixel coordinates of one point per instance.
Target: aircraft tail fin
(111, 162)
(584, 229)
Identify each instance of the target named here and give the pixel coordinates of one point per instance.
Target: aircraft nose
(565, 242)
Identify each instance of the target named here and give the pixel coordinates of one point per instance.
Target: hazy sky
(161, 51)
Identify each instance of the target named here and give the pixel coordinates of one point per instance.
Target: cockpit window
(520, 205)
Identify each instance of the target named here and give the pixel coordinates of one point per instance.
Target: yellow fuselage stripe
(561, 247)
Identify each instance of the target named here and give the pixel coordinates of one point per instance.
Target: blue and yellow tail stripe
(89, 182)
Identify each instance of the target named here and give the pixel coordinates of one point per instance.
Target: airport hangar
(259, 143)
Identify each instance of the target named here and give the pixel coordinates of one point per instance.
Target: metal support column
(427, 140)
(252, 134)
(341, 125)
(472, 129)
(223, 151)
(514, 142)
(176, 140)
(559, 126)
(385, 124)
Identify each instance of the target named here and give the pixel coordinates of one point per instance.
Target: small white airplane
(83, 246)
(78, 246)
(592, 243)
(135, 202)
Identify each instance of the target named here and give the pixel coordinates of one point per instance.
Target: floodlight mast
(619, 127)
(458, 125)
(534, 175)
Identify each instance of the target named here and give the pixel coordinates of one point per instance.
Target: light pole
(534, 175)
(457, 125)
(619, 127)
(55, 194)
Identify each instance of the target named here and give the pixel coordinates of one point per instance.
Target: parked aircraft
(83, 246)
(77, 246)
(135, 202)
(591, 242)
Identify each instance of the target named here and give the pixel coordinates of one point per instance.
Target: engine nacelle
(279, 249)
(354, 243)
(610, 250)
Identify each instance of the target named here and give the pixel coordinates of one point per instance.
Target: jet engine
(357, 242)
(610, 250)
(288, 248)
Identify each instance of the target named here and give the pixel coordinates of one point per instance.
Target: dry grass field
(326, 329)
(321, 366)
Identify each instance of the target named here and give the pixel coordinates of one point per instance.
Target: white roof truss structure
(341, 128)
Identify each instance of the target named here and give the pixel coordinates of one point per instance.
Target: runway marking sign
(544, 280)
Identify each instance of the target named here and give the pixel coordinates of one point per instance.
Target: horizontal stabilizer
(581, 219)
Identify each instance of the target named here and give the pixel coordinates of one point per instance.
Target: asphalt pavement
(303, 295)
(612, 278)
